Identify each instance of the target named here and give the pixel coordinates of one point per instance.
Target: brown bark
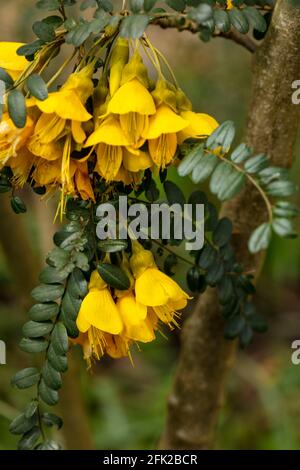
(205, 357)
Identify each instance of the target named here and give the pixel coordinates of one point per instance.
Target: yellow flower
(200, 126)
(63, 115)
(118, 61)
(98, 308)
(110, 140)
(134, 316)
(82, 181)
(229, 5)
(13, 63)
(154, 288)
(134, 103)
(162, 135)
(12, 139)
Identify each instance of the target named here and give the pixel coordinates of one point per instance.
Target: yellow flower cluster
(110, 322)
(115, 129)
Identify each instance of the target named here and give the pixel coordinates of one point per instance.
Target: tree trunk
(206, 357)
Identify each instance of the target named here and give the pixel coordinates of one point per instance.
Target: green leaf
(33, 345)
(273, 173)
(204, 168)
(188, 163)
(33, 329)
(255, 18)
(47, 293)
(234, 326)
(21, 424)
(215, 273)
(222, 137)
(71, 305)
(225, 290)
(49, 445)
(256, 163)
(240, 153)
(149, 4)
(30, 49)
(49, 5)
(239, 20)
(286, 209)
(152, 192)
(260, 238)
(134, 26)
(49, 396)
(196, 280)
(59, 339)
(52, 377)
(37, 87)
(26, 378)
(78, 35)
(201, 14)
(77, 284)
(197, 197)
(174, 193)
(178, 5)
(70, 324)
(219, 176)
(208, 257)
(43, 31)
(114, 276)
(284, 227)
(54, 21)
(6, 78)
(31, 409)
(281, 188)
(51, 419)
(51, 275)
(222, 232)
(222, 20)
(106, 5)
(60, 258)
(232, 185)
(43, 312)
(17, 108)
(136, 5)
(60, 363)
(88, 4)
(112, 246)
(18, 205)
(29, 439)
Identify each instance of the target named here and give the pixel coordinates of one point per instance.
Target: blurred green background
(126, 405)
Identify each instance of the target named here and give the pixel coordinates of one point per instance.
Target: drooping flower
(200, 126)
(59, 129)
(12, 139)
(133, 101)
(13, 63)
(162, 135)
(155, 289)
(98, 316)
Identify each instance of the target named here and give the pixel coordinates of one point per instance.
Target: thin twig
(188, 25)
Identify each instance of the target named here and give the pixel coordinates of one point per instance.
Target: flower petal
(109, 132)
(200, 126)
(132, 97)
(165, 121)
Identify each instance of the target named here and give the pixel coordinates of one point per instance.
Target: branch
(206, 357)
(188, 25)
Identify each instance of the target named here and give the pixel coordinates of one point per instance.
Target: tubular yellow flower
(12, 139)
(13, 63)
(154, 288)
(200, 126)
(134, 103)
(162, 135)
(119, 59)
(110, 140)
(98, 309)
(62, 118)
(134, 317)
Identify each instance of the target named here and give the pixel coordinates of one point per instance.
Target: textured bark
(205, 357)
